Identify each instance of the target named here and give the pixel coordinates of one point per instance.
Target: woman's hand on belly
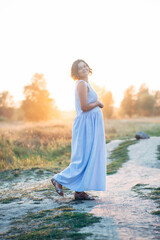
(100, 104)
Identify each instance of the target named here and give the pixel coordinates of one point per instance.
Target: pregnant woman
(87, 170)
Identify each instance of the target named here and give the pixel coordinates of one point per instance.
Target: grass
(10, 175)
(38, 146)
(148, 193)
(58, 223)
(127, 128)
(48, 145)
(119, 156)
(158, 152)
(8, 200)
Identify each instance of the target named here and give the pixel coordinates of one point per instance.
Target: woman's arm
(83, 98)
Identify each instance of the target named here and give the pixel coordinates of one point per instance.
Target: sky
(119, 39)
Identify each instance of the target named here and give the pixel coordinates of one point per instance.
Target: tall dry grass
(35, 145)
(48, 144)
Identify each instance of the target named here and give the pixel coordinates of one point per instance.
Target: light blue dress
(87, 170)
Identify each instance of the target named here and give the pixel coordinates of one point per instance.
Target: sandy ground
(125, 215)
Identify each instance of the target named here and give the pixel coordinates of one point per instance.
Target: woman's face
(83, 70)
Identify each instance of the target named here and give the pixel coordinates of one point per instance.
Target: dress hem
(79, 190)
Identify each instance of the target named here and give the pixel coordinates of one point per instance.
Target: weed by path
(146, 192)
(158, 152)
(119, 156)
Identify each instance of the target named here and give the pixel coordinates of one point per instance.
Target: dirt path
(125, 214)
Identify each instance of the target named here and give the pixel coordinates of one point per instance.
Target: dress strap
(82, 81)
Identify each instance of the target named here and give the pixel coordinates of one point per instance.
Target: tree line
(38, 105)
(133, 104)
(142, 103)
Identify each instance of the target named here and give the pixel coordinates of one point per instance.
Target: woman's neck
(85, 79)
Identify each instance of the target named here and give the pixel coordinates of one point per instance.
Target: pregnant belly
(94, 110)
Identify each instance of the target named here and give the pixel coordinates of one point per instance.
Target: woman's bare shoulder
(82, 85)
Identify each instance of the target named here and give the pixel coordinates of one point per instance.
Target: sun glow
(118, 39)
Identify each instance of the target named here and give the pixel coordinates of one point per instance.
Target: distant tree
(108, 102)
(128, 103)
(107, 99)
(146, 105)
(143, 90)
(37, 104)
(101, 91)
(157, 103)
(145, 102)
(6, 105)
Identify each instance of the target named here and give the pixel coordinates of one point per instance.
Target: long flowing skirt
(87, 170)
